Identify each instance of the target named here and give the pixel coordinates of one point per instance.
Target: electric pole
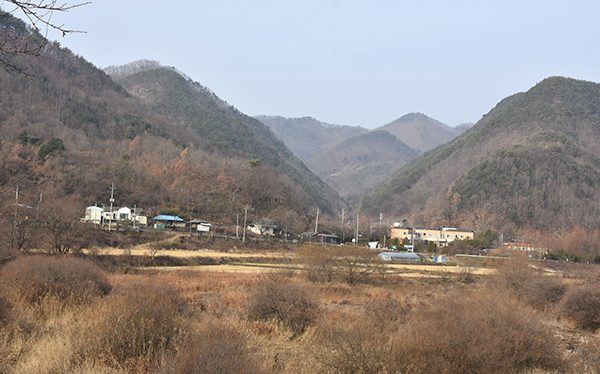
(37, 211)
(16, 202)
(356, 233)
(244, 232)
(317, 221)
(342, 225)
(112, 191)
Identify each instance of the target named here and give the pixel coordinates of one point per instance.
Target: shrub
(474, 334)
(285, 303)
(386, 313)
(543, 292)
(213, 348)
(582, 305)
(34, 278)
(513, 275)
(142, 322)
(354, 349)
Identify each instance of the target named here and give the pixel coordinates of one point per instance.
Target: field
(306, 310)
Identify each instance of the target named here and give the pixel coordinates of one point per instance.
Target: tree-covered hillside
(362, 162)
(157, 162)
(307, 137)
(420, 132)
(195, 108)
(530, 161)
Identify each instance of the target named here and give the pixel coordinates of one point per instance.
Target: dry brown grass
(288, 304)
(31, 279)
(142, 322)
(186, 322)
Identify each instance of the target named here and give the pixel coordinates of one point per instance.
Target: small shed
(202, 226)
(165, 221)
(327, 238)
(93, 214)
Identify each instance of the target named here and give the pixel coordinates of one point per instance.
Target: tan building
(440, 236)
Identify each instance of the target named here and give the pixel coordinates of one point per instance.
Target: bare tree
(62, 226)
(15, 41)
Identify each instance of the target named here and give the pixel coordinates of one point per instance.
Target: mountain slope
(362, 162)
(419, 131)
(556, 113)
(193, 107)
(157, 160)
(306, 136)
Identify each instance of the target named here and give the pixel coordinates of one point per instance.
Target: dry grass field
(69, 315)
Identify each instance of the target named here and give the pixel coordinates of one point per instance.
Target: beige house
(439, 236)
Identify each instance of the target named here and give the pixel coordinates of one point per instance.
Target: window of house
(462, 236)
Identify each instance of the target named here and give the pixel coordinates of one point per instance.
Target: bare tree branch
(16, 39)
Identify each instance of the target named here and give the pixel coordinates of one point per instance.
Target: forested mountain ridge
(307, 137)
(195, 108)
(95, 133)
(362, 162)
(531, 161)
(350, 159)
(421, 132)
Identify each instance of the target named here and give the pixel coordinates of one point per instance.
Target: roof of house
(199, 221)
(164, 217)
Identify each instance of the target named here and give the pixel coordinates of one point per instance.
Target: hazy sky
(353, 62)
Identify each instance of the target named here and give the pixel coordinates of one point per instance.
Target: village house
(438, 236)
(103, 215)
(164, 221)
(320, 238)
(264, 228)
(202, 226)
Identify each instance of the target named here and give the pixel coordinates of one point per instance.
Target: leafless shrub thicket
(462, 333)
(213, 348)
(286, 303)
(141, 323)
(350, 265)
(533, 286)
(581, 304)
(31, 279)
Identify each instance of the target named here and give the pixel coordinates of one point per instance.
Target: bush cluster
(286, 303)
(34, 278)
(143, 321)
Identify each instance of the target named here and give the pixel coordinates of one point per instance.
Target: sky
(349, 62)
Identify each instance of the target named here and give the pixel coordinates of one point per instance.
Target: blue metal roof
(163, 217)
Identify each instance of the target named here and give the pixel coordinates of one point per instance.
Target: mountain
(362, 162)
(422, 132)
(307, 137)
(165, 141)
(532, 161)
(199, 110)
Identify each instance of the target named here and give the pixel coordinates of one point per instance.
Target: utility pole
(342, 225)
(317, 221)
(16, 202)
(237, 226)
(356, 233)
(244, 232)
(112, 191)
(37, 210)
